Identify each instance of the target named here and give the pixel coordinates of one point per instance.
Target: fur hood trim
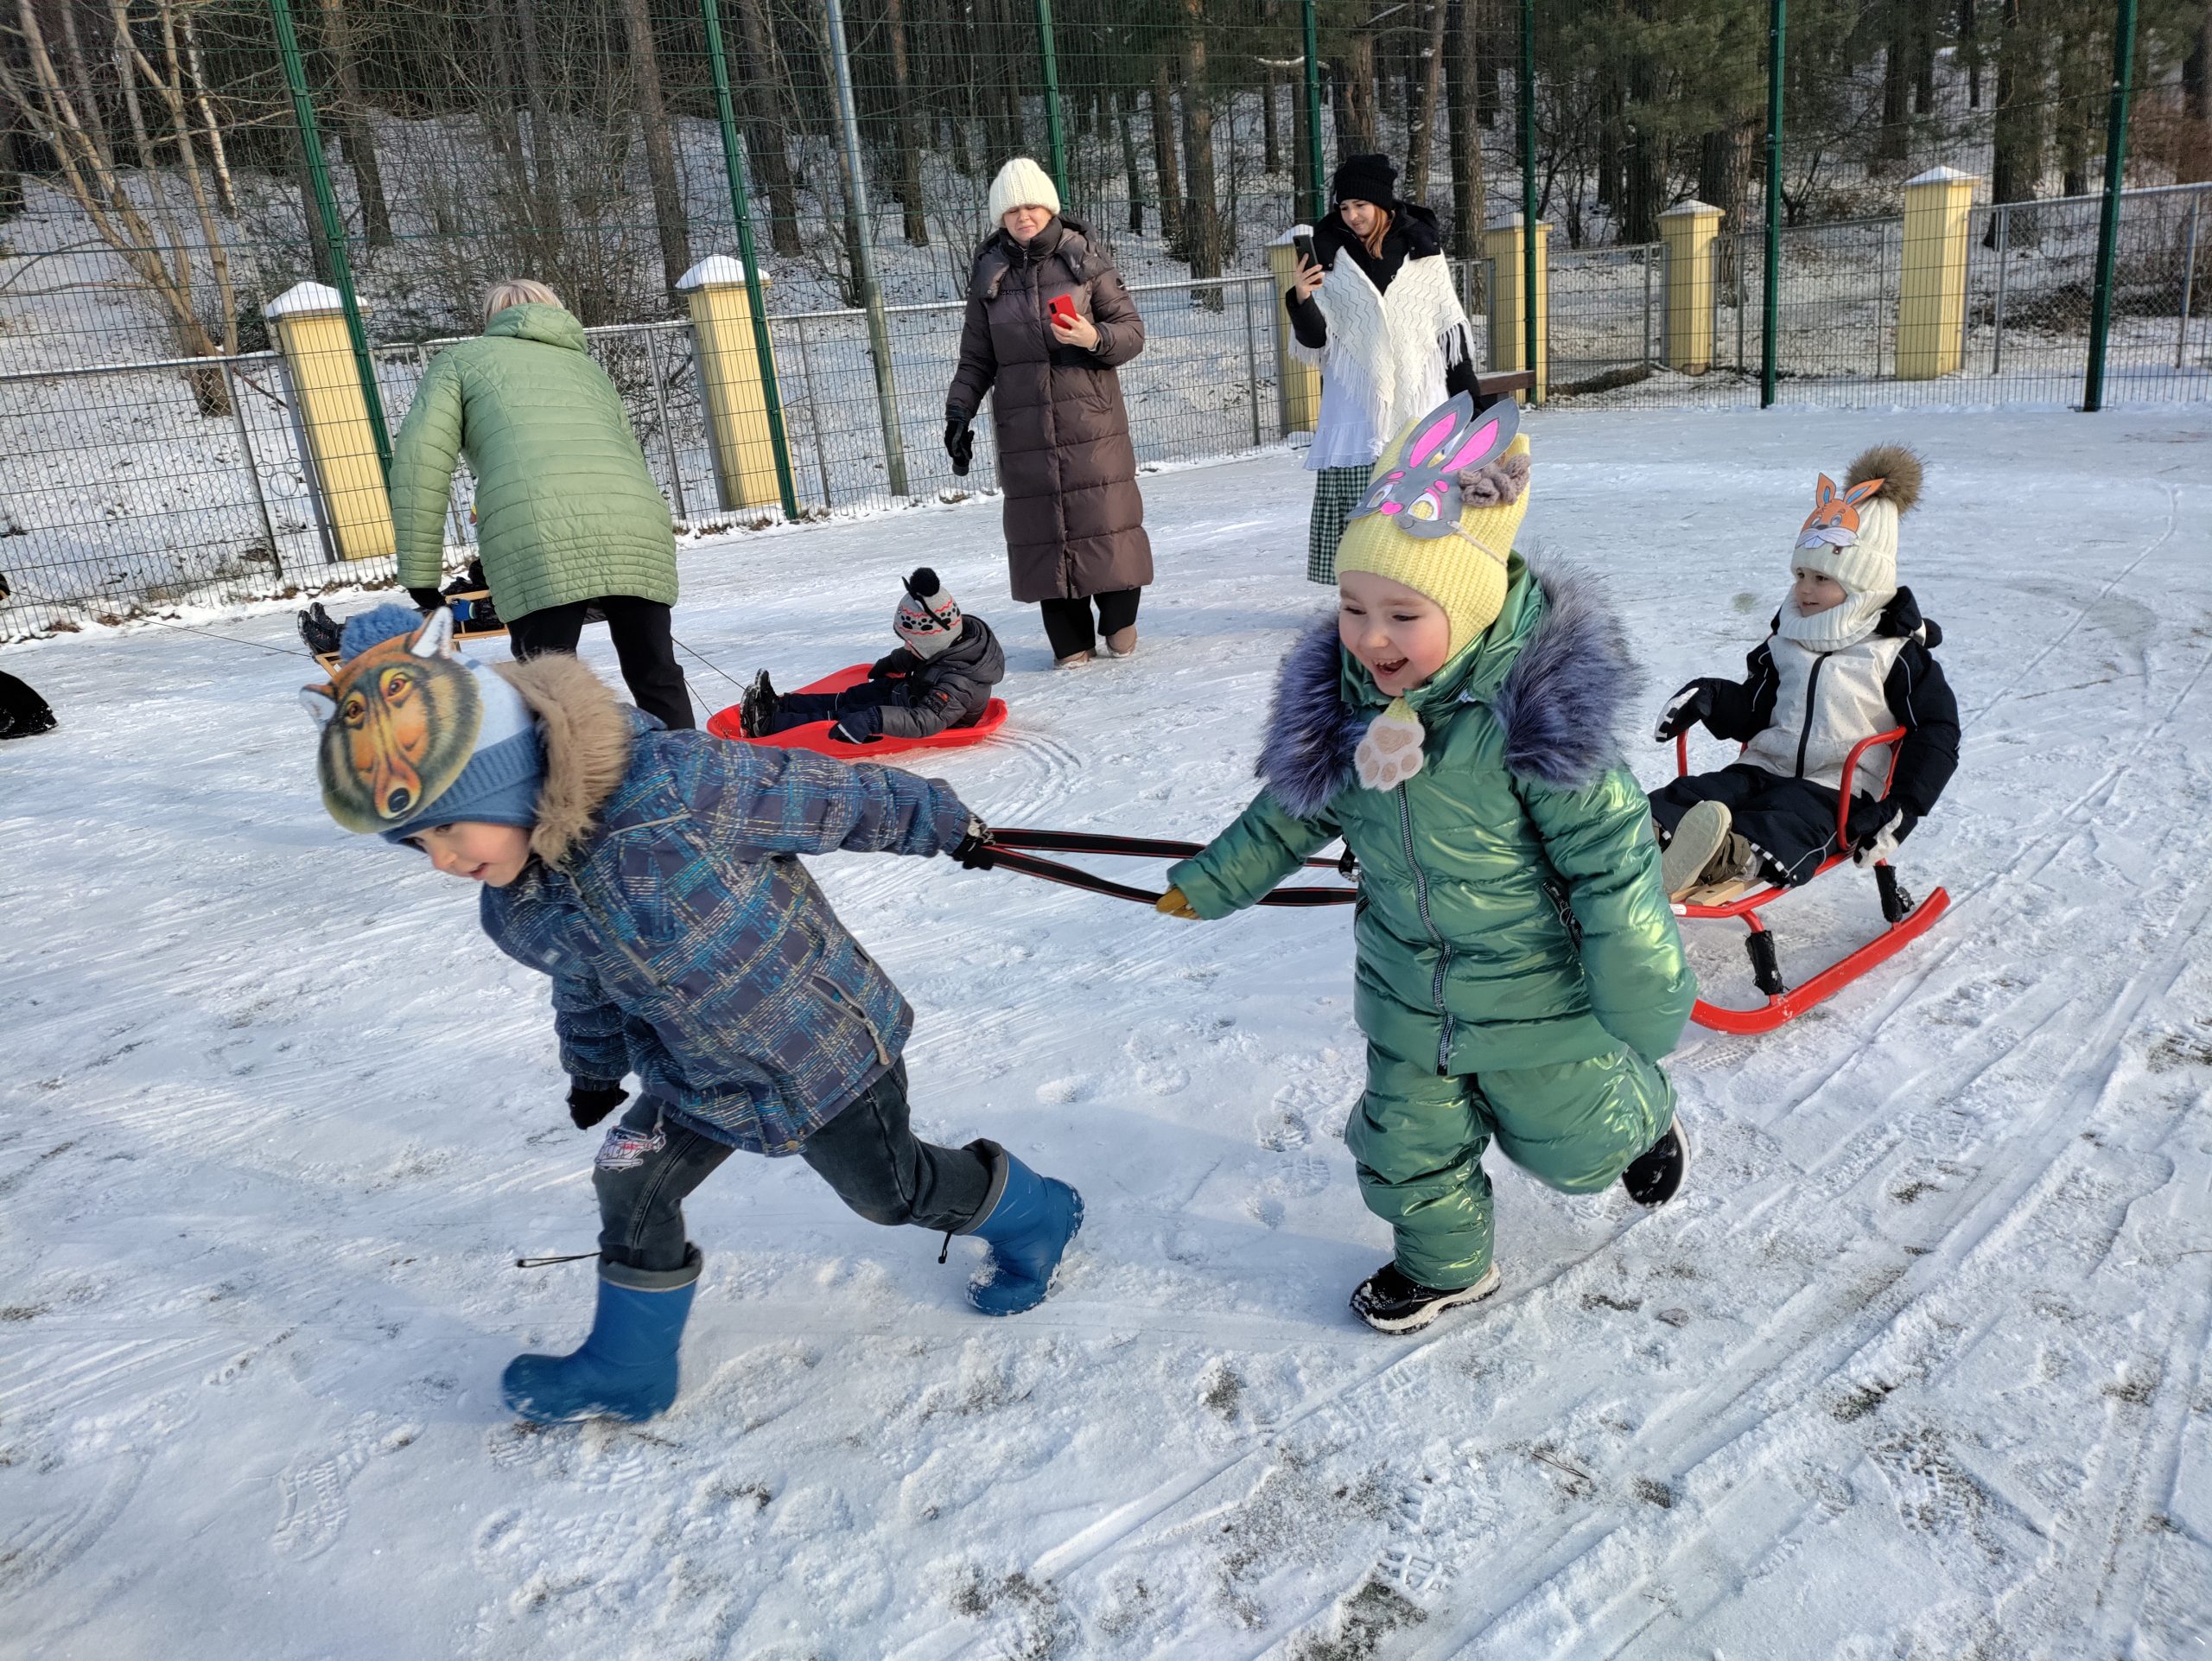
(587, 734)
(1560, 703)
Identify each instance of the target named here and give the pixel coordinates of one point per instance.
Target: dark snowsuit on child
(1519, 974)
(1798, 713)
(907, 695)
(687, 946)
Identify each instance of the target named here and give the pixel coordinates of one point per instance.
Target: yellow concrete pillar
(1932, 287)
(729, 376)
(1689, 231)
(1509, 333)
(333, 420)
(1298, 383)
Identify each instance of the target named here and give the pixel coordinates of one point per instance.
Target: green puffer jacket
(565, 509)
(1510, 912)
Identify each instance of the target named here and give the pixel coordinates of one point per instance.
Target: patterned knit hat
(415, 735)
(1446, 500)
(928, 619)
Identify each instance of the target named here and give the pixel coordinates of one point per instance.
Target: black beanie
(1366, 179)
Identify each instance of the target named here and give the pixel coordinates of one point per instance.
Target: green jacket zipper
(1443, 948)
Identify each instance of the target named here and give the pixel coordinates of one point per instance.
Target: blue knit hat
(415, 733)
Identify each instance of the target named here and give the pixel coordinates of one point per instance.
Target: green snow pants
(1418, 1136)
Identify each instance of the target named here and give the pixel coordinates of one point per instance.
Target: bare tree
(1202, 211)
(1423, 136)
(356, 136)
(670, 221)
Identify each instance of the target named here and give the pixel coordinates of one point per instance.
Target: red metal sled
(1907, 919)
(815, 735)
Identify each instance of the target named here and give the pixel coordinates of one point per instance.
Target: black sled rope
(1011, 849)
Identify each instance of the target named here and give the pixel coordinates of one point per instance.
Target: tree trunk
(765, 136)
(546, 236)
(1165, 173)
(1201, 216)
(910, 132)
(11, 158)
(1490, 66)
(2080, 114)
(1301, 164)
(1924, 62)
(1970, 50)
(1355, 73)
(2017, 136)
(1422, 140)
(1131, 167)
(669, 217)
(2193, 158)
(1890, 141)
(1462, 91)
(1271, 137)
(226, 191)
(1014, 138)
(356, 136)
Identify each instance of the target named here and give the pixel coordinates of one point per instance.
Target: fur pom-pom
(384, 623)
(1495, 484)
(923, 584)
(1899, 469)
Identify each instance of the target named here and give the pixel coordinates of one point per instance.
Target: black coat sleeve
(896, 663)
(1741, 711)
(1923, 703)
(1306, 320)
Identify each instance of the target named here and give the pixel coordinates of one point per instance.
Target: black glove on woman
(959, 440)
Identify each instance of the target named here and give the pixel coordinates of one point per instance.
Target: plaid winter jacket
(686, 943)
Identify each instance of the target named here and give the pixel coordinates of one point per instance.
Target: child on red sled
(1850, 656)
(940, 678)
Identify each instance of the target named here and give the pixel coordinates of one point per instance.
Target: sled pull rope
(1006, 843)
(540, 1263)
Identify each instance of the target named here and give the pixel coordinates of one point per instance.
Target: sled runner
(815, 734)
(1907, 919)
(463, 607)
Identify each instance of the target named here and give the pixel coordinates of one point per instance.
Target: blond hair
(517, 291)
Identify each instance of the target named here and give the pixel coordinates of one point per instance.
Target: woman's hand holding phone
(1069, 329)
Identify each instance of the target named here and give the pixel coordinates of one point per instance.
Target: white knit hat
(1852, 536)
(1021, 183)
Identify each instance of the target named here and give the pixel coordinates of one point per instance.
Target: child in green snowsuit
(1520, 975)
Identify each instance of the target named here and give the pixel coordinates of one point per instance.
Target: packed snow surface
(1915, 1366)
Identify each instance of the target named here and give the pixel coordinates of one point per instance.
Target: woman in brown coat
(1074, 518)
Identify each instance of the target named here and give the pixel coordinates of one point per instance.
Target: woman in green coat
(1519, 974)
(567, 516)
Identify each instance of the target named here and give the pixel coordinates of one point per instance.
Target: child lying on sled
(1850, 656)
(940, 676)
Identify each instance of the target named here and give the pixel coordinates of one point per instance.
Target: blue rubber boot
(1027, 1225)
(627, 1368)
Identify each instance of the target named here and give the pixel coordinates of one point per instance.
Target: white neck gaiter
(1840, 626)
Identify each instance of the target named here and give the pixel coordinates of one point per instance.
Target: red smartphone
(1063, 309)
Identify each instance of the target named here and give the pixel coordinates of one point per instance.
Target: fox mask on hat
(409, 723)
(1852, 536)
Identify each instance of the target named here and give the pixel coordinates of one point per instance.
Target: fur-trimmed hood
(1560, 700)
(588, 733)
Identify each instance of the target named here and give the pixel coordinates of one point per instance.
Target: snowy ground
(1917, 1366)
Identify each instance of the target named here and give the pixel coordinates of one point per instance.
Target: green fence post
(334, 227)
(1052, 122)
(741, 208)
(1528, 102)
(879, 327)
(1770, 287)
(1318, 203)
(2123, 75)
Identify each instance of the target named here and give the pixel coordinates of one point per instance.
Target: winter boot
(759, 704)
(319, 630)
(1123, 642)
(1390, 1302)
(1027, 1229)
(1073, 660)
(1654, 1176)
(1702, 833)
(627, 1368)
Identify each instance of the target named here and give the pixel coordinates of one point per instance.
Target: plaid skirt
(1337, 491)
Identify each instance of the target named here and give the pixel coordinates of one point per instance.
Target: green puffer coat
(565, 508)
(1511, 915)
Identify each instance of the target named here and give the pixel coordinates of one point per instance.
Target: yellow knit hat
(1446, 501)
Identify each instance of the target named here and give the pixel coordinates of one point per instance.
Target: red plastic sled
(1907, 920)
(815, 735)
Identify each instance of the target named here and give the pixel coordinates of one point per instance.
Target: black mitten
(589, 1103)
(427, 600)
(1684, 710)
(974, 851)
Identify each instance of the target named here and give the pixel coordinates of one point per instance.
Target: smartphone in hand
(1302, 246)
(1063, 310)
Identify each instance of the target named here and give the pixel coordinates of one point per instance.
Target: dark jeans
(651, 1162)
(1068, 626)
(639, 631)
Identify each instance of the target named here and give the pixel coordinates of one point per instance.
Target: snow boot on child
(1028, 1230)
(1392, 1301)
(1655, 1176)
(759, 703)
(1706, 861)
(627, 1367)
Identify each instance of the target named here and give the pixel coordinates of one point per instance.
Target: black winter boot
(1390, 1302)
(759, 704)
(1655, 1176)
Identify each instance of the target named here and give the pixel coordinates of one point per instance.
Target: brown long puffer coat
(1074, 516)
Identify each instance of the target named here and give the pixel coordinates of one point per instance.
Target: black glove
(1685, 709)
(1892, 825)
(427, 600)
(860, 729)
(974, 851)
(959, 440)
(589, 1103)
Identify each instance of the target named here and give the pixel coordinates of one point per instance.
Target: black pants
(1790, 821)
(1068, 626)
(639, 631)
(860, 702)
(868, 1154)
(22, 711)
